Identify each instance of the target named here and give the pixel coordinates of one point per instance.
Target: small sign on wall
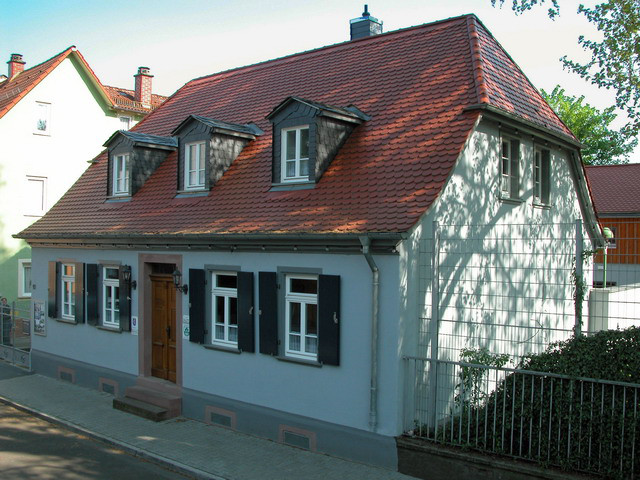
(134, 325)
(185, 327)
(39, 318)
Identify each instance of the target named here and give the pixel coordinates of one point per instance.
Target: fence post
(579, 279)
(435, 323)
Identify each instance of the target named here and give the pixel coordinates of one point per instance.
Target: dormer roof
(144, 140)
(247, 130)
(350, 114)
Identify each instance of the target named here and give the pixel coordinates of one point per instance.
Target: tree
(603, 146)
(615, 61)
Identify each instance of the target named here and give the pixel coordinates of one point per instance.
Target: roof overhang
(381, 242)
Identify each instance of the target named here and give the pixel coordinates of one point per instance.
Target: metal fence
(580, 424)
(15, 335)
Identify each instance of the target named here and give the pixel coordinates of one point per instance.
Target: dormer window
(295, 154)
(307, 136)
(133, 157)
(121, 174)
(194, 173)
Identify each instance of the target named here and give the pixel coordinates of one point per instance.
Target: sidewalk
(187, 446)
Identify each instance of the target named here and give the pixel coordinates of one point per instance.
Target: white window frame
(227, 294)
(506, 161)
(24, 291)
(120, 175)
(125, 120)
(297, 177)
(42, 117)
(110, 286)
(538, 180)
(303, 299)
(67, 292)
(33, 210)
(199, 169)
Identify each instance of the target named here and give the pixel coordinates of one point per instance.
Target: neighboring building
(53, 118)
(256, 253)
(616, 195)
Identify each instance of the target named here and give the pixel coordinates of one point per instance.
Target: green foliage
(615, 61)
(571, 422)
(603, 146)
(471, 378)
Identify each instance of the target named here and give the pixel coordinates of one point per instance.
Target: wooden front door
(163, 327)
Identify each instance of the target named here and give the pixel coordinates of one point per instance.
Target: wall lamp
(126, 276)
(177, 280)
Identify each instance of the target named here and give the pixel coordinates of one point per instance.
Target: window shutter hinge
(251, 310)
(335, 317)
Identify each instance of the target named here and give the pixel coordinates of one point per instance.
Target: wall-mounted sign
(185, 327)
(134, 325)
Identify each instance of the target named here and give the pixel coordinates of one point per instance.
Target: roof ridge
(476, 60)
(616, 165)
(345, 44)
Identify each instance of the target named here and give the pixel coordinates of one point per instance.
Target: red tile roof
(124, 99)
(416, 84)
(615, 188)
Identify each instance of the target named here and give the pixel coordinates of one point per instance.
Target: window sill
(201, 192)
(118, 198)
(509, 200)
(287, 186)
(42, 134)
(66, 320)
(300, 361)
(109, 329)
(221, 348)
(541, 206)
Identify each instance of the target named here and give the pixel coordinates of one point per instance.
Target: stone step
(171, 402)
(141, 409)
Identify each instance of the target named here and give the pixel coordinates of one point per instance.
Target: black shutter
(329, 319)
(53, 286)
(197, 305)
(246, 331)
(515, 166)
(92, 282)
(125, 299)
(268, 297)
(79, 292)
(545, 176)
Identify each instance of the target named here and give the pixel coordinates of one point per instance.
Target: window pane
(116, 298)
(219, 332)
(201, 177)
(26, 279)
(69, 270)
(311, 345)
(312, 319)
(304, 168)
(111, 273)
(291, 169)
(290, 151)
(304, 285)
(108, 301)
(220, 310)
(233, 311)
(107, 316)
(233, 334)
(226, 281)
(201, 151)
(294, 342)
(294, 317)
(304, 143)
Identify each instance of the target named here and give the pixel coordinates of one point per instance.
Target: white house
(53, 118)
(259, 252)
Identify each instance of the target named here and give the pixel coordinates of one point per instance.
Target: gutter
(375, 289)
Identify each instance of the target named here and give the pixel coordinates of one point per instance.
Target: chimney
(143, 86)
(365, 26)
(16, 65)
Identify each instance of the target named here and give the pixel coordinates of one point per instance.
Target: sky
(184, 39)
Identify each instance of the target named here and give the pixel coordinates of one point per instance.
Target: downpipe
(375, 286)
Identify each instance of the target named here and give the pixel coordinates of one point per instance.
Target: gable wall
(80, 123)
(501, 262)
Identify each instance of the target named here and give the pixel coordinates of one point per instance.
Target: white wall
(505, 267)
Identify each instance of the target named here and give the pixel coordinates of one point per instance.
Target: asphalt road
(31, 448)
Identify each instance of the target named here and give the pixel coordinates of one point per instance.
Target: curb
(172, 465)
